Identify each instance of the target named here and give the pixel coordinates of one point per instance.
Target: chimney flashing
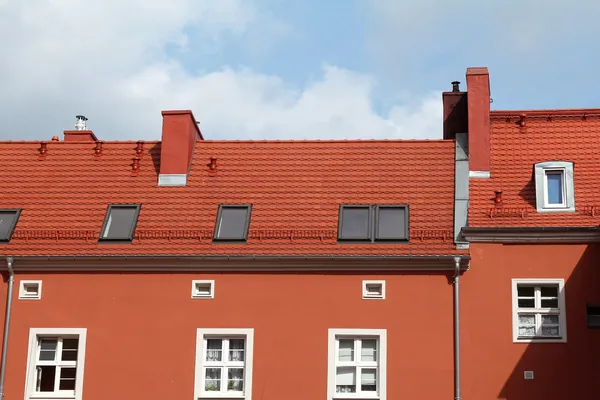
(172, 179)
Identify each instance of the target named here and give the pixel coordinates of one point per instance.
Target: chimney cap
(80, 124)
(455, 86)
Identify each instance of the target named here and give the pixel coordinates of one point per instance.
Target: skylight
(8, 221)
(120, 222)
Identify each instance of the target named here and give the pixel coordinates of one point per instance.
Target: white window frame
(561, 312)
(332, 364)
(366, 295)
(223, 333)
(541, 171)
(23, 295)
(198, 295)
(32, 360)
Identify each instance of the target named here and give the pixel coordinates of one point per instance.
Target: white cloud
(107, 59)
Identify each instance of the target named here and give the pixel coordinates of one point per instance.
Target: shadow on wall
(568, 370)
(155, 154)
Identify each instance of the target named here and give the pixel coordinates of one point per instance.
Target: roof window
(233, 222)
(554, 189)
(373, 223)
(120, 222)
(8, 221)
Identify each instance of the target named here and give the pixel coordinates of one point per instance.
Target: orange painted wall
(141, 337)
(492, 365)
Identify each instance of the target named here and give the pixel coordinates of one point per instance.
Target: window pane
(526, 319)
(549, 303)
(368, 380)
(45, 378)
(69, 352)
(67, 379)
(555, 187)
(369, 350)
(549, 319)
(391, 223)
(232, 224)
(355, 223)
(236, 349)
(7, 218)
(550, 331)
(526, 303)
(346, 350)
(48, 349)
(345, 380)
(214, 349)
(526, 325)
(235, 379)
(549, 291)
(120, 222)
(213, 380)
(526, 330)
(525, 291)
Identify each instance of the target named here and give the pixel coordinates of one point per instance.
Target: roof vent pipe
(80, 124)
(455, 87)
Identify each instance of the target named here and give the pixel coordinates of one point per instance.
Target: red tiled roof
(548, 135)
(295, 188)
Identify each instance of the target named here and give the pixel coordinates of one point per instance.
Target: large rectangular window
(539, 310)
(55, 363)
(120, 222)
(224, 363)
(233, 222)
(357, 364)
(8, 221)
(373, 223)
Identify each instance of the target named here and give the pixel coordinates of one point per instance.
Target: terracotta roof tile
(295, 188)
(548, 135)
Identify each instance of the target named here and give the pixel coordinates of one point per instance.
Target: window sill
(221, 396)
(355, 396)
(44, 396)
(555, 209)
(540, 340)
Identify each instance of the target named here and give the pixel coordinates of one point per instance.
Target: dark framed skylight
(120, 222)
(233, 222)
(373, 223)
(8, 221)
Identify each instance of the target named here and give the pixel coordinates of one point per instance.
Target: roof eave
(532, 234)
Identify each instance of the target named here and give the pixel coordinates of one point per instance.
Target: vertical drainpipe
(456, 328)
(11, 281)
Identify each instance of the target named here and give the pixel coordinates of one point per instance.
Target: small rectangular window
(374, 223)
(224, 363)
(203, 289)
(233, 222)
(555, 184)
(120, 222)
(373, 289)
(539, 310)
(55, 367)
(8, 221)
(593, 316)
(30, 290)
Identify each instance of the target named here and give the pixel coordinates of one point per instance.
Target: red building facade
(200, 269)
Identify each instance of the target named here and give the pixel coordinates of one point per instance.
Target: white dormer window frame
(565, 170)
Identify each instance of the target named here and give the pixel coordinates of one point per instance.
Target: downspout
(456, 328)
(11, 281)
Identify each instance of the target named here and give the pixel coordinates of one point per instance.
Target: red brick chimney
(81, 133)
(179, 134)
(455, 112)
(478, 100)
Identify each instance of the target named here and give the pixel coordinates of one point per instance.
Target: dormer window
(120, 222)
(554, 189)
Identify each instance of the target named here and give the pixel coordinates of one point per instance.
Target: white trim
(34, 334)
(200, 352)
(381, 334)
(561, 310)
(541, 171)
(23, 295)
(370, 296)
(199, 295)
(479, 174)
(172, 179)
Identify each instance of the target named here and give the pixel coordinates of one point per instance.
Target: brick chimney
(179, 134)
(455, 112)
(81, 133)
(478, 89)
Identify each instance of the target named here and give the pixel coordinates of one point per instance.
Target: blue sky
(284, 69)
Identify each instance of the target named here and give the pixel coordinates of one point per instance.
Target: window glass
(232, 223)
(355, 223)
(555, 187)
